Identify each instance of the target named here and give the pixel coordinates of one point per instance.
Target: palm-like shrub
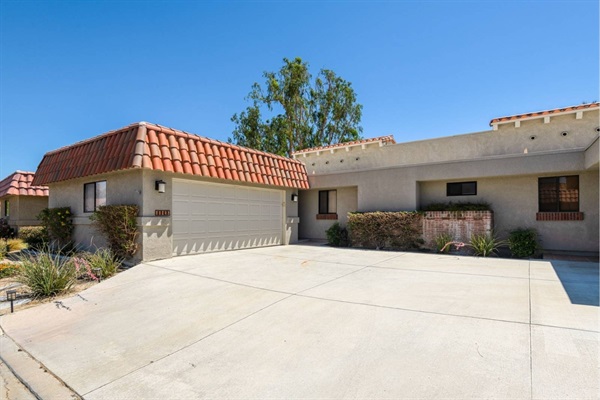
(486, 244)
(46, 274)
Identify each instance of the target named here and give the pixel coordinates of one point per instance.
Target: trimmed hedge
(523, 242)
(337, 235)
(119, 226)
(58, 223)
(34, 236)
(391, 230)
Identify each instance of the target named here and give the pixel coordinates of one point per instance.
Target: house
(537, 170)
(20, 200)
(194, 194)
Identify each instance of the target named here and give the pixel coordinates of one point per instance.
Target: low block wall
(460, 224)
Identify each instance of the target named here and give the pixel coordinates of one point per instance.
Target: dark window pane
(558, 193)
(469, 188)
(323, 198)
(568, 193)
(89, 194)
(461, 188)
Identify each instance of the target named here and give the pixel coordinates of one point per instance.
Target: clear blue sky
(71, 70)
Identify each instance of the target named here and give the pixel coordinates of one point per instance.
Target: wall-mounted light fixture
(294, 197)
(160, 186)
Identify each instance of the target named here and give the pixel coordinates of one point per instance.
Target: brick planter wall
(460, 224)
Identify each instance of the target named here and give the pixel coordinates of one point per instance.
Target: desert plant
(118, 224)
(104, 261)
(46, 273)
(34, 236)
(485, 245)
(441, 241)
(8, 269)
(16, 244)
(523, 243)
(337, 235)
(58, 223)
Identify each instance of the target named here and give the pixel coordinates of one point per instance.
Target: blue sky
(71, 70)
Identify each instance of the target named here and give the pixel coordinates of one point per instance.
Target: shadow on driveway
(580, 280)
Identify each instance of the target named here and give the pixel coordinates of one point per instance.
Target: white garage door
(213, 217)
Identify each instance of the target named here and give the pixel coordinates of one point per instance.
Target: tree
(305, 114)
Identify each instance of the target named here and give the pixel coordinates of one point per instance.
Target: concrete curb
(41, 382)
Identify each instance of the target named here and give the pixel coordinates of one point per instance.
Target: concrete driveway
(317, 322)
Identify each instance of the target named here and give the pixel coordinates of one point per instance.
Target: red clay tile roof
(384, 139)
(545, 113)
(145, 145)
(19, 184)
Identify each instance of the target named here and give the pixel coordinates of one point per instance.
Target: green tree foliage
(303, 113)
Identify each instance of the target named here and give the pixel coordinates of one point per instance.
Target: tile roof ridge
(541, 113)
(93, 139)
(166, 129)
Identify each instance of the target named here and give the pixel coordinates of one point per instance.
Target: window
(94, 195)
(327, 203)
(558, 194)
(461, 189)
(6, 208)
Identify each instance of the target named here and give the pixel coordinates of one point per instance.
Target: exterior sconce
(160, 186)
(294, 197)
(11, 295)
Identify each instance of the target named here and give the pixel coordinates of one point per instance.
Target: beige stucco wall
(398, 189)
(592, 155)
(506, 141)
(24, 209)
(138, 187)
(514, 201)
(122, 187)
(310, 226)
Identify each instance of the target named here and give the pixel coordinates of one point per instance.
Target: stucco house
(20, 200)
(195, 194)
(537, 170)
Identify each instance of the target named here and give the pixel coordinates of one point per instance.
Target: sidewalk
(18, 367)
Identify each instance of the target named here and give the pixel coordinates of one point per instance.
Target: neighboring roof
(545, 113)
(19, 184)
(145, 145)
(382, 140)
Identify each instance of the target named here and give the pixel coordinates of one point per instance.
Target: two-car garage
(215, 217)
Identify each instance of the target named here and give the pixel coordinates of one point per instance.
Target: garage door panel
(213, 217)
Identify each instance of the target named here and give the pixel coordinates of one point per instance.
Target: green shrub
(103, 260)
(523, 243)
(119, 226)
(460, 206)
(34, 236)
(6, 232)
(58, 223)
(337, 235)
(441, 242)
(485, 245)
(395, 230)
(46, 274)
